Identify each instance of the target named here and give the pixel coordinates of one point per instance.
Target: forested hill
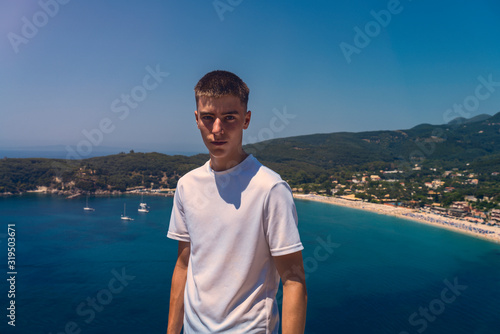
(302, 159)
(100, 174)
(460, 141)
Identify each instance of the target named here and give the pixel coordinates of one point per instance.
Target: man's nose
(217, 128)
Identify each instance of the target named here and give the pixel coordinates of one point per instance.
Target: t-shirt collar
(239, 166)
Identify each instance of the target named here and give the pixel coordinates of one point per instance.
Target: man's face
(221, 122)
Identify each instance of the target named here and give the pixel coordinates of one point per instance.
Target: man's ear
(196, 117)
(247, 119)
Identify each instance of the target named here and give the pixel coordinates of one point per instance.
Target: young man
(236, 224)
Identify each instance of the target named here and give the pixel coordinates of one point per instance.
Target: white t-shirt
(235, 220)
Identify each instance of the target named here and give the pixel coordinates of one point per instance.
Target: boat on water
(87, 207)
(124, 215)
(143, 207)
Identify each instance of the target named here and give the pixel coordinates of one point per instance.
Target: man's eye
(206, 118)
(230, 118)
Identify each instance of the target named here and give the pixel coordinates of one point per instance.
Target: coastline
(490, 233)
(68, 194)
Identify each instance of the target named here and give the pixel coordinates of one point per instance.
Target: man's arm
(176, 309)
(291, 269)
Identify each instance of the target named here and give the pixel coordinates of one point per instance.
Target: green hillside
(459, 141)
(109, 173)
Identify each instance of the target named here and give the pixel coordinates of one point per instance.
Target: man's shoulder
(266, 177)
(193, 174)
(268, 174)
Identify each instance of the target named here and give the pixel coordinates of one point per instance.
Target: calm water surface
(366, 273)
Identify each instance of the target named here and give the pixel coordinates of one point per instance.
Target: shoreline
(485, 232)
(72, 195)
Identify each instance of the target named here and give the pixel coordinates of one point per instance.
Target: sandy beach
(491, 233)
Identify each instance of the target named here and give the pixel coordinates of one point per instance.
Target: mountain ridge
(458, 140)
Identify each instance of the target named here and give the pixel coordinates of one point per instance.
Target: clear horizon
(88, 75)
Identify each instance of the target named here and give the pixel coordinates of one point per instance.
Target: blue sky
(63, 83)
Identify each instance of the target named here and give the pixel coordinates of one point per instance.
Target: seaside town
(435, 196)
(457, 199)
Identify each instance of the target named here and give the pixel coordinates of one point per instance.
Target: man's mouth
(218, 142)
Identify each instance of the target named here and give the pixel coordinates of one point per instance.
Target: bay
(366, 273)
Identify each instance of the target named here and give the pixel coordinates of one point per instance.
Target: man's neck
(220, 165)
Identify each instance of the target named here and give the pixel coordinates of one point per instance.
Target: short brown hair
(221, 83)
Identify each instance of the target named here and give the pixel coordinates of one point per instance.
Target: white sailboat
(143, 207)
(124, 215)
(87, 207)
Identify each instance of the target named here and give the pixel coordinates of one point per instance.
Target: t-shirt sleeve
(177, 229)
(281, 221)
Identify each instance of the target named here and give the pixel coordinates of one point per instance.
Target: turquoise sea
(90, 272)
